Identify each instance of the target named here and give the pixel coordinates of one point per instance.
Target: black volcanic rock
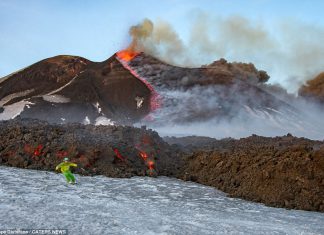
(92, 147)
(282, 171)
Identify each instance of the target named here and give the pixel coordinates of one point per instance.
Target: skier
(65, 169)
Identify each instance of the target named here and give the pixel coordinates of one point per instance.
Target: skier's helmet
(66, 159)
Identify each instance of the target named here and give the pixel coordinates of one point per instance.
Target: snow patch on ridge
(104, 121)
(97, 106)
(13, 110)
(7, 98)
(61, 88)
(86, 121)
(56, 99)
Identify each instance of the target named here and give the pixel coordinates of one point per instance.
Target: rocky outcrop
(113, 151)
(282, 171)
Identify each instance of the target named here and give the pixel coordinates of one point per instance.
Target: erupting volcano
(172, 126)
(126, 55)
(130, 87)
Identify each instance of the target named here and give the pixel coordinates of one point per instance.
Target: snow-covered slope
(99, 205)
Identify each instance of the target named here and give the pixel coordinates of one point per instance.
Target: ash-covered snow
(99, 205)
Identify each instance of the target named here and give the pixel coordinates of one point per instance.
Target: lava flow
(34, 151)
(118, 155)
(143, 155)
(149, 162)
(124, 57)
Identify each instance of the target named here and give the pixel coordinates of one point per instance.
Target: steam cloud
(291, 52)
(198, 111)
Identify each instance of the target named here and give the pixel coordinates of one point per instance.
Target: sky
(37, 29)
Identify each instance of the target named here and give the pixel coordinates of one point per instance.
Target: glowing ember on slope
(34, 151)
(143, 155)
(150, 165)
(118, 155)
(148, 159)
(38, 150)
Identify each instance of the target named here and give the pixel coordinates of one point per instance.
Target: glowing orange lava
(149, 162)
(150, 165)
(34, 151)
(143, 155)
(127, 55)
(155, 98)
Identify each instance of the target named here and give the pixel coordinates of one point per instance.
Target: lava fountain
(126, 55)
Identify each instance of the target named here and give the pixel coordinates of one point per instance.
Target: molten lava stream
(124, 57)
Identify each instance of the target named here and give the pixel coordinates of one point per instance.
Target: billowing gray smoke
(290, 51)
(220, 101)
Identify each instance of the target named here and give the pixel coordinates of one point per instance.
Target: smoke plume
(139, 33)
(291, 51)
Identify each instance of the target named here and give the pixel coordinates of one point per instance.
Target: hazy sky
(32, 30)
